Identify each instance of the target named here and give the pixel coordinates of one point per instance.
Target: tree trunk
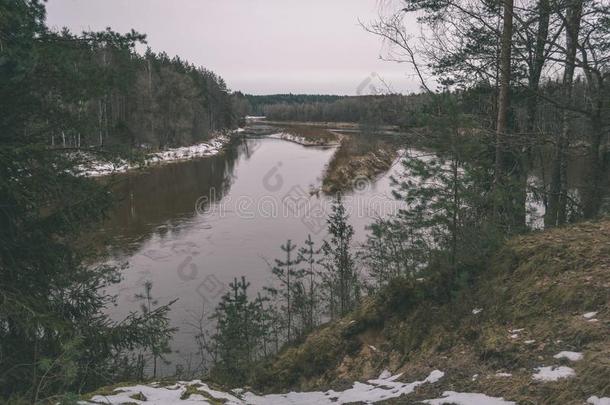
(558, 193)
(592, 194)
(528, 152)
(503, 99)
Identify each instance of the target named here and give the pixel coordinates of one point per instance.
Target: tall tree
(289, 279)
(558, 193)
(309, 256)
(55, 337)
(239, 329)
(340, 277)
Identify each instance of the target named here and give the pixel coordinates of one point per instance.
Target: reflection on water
(162, 199)
(191, 227)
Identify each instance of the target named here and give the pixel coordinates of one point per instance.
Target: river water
(190, 228)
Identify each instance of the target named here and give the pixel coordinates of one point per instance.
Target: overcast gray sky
(257, 46)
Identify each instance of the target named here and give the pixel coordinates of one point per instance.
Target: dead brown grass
(357, 159)
(541, 283)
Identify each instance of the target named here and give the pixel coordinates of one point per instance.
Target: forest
(103, 94)
(506, 88)
(61, 92)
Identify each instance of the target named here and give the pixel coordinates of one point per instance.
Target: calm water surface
(190, 228)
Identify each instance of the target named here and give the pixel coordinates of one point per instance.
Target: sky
(257, 46)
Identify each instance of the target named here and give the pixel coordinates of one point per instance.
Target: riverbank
(96, 167)
(307, 135)
(356, 163)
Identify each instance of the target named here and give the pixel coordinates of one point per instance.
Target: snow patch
(598, 401)
(160, 396)
(553, 373)
(302, 140)
(463, 398)
(589, 315)
(477, 311)
(572, 356)
(97, 168)
(383, 388)
(504, 375)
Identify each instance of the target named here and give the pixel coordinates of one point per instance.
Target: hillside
(533, 329)
(543, 294)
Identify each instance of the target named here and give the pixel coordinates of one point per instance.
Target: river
(190, 228)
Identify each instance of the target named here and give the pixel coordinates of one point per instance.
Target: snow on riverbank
(383, 388)
(463, 398)
(97, 168)
(301, 140)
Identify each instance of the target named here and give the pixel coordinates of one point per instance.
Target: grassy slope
(542, 283)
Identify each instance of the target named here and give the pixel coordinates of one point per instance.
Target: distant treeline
(259, 103)
(414, 110)
(391, 109)
(103, 93)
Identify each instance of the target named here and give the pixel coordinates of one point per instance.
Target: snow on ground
(477, 311)
(553, 373)
(100, 168)
(302, 140)
(598, 401)
(589, 315)
(572, 356)
(463, 398)
(504, 375)
(382, 388)
(186, 152)
(153, 395)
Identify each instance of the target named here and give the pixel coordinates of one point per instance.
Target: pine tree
(308, 255)
(160, 347)
(55, 336)
(341, 283)
(289, 278)
(241, 327)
